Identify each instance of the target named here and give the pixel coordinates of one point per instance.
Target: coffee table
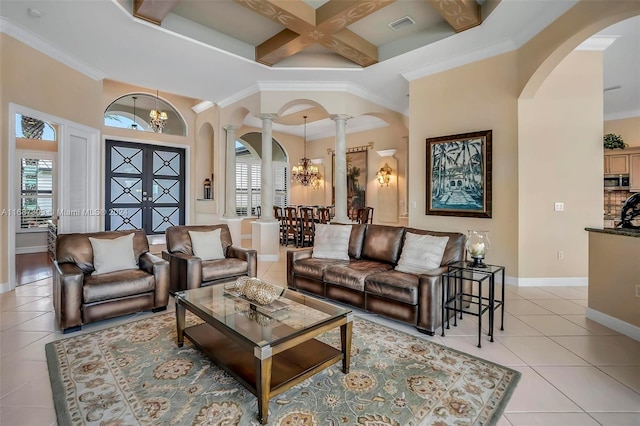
(268, 348)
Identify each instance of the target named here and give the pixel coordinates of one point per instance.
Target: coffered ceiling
(343, 32)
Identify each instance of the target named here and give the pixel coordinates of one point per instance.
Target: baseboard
(614, 323)
(269, 257)
(5, 287)
(548, 281)
(31, 249)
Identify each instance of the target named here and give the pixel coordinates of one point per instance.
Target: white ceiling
(104, 40)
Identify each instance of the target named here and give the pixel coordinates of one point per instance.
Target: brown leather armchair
(189, 271)
(80, 298)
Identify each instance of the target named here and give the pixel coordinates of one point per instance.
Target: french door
(145, 187)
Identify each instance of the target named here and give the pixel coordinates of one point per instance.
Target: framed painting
(356, 180)
(459, 175)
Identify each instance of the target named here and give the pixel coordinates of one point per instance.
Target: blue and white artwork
(457, 180)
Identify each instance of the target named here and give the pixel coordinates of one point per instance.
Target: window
(248, 195)
(32, 128)
(36, 190)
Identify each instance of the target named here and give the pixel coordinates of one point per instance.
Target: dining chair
(324, 215)
(307, 227)
(290, 231)
(279, 216)
(365, 215)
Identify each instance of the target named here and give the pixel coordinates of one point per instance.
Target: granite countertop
(616, 231)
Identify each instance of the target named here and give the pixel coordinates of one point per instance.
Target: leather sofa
(80, 298)
(368, 280)
(189, 271)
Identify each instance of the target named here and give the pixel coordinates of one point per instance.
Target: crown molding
(202, 106)
(622, 115)
(597, 42)
(457, 60)
(245, 93)
(43, 46)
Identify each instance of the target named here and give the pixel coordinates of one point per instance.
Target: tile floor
(574, 371)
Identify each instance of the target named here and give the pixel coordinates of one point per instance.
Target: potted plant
(612, 141)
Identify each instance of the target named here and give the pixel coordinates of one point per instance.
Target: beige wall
(474, 97)
(627, 128)
(560, 160)
(34, 80)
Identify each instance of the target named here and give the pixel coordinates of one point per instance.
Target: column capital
(336, 117)
(267, 116)
(231, 127)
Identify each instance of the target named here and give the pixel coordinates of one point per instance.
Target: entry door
(144, 187)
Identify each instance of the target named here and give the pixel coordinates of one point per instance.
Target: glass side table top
(468, 265)
(289, 315)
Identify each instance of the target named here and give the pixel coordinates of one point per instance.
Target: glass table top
(288, 316)
(468, 265)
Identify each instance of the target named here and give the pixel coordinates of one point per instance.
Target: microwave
(616, 182)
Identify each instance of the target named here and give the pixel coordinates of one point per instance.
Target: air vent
(401, 23)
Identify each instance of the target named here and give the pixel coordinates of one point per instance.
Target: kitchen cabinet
(616, 164)
(634, 172)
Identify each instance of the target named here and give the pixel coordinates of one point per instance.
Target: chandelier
(158, 118)
(305, 172)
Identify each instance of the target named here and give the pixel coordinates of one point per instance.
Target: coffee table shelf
(289, 367)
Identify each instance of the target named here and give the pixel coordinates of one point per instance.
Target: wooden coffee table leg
(263, 381)
(180, 313)
(345, 338)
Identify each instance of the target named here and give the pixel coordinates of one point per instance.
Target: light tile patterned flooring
(574, 371)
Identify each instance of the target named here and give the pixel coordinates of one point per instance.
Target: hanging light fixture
(305, 172)
(134, 125)
(158, 118)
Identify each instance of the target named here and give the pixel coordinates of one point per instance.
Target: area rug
(134, 374)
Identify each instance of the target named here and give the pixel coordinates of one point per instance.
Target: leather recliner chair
(80, 298)
(189, 271)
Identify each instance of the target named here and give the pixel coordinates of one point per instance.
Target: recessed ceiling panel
(229, 18)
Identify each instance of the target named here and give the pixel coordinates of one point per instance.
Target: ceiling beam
(153, 11)
(460, 14)
(306, 26)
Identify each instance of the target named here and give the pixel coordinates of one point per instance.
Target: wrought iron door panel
(145, 187)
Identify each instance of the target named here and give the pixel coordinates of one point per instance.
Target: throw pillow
(113, 255)
(207, 245)
(331, 242)
(421, 253)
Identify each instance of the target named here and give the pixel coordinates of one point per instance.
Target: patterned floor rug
(134, 374)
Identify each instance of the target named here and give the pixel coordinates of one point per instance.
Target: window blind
(36, 192)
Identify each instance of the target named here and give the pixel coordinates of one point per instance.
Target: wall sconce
(384, 174)
(316, 181)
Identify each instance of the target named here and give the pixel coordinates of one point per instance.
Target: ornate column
(265, 231)
(231, 218)
(340, 174)
(230, 179)
(266, 178)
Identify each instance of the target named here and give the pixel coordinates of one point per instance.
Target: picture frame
(459, 175)
(356, 181)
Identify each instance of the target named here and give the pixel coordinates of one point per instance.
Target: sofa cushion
(76, 248)
(178, 239)
(356, 240)
(222, 268)
(353, 274)
(206, 245)
(113, 285)
(331, 242)
(383, 243)
(393, 285)
(313, 268)
(421, 253)
(455, 246)
(111, 255)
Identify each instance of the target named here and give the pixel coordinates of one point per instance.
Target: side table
(453, 299)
